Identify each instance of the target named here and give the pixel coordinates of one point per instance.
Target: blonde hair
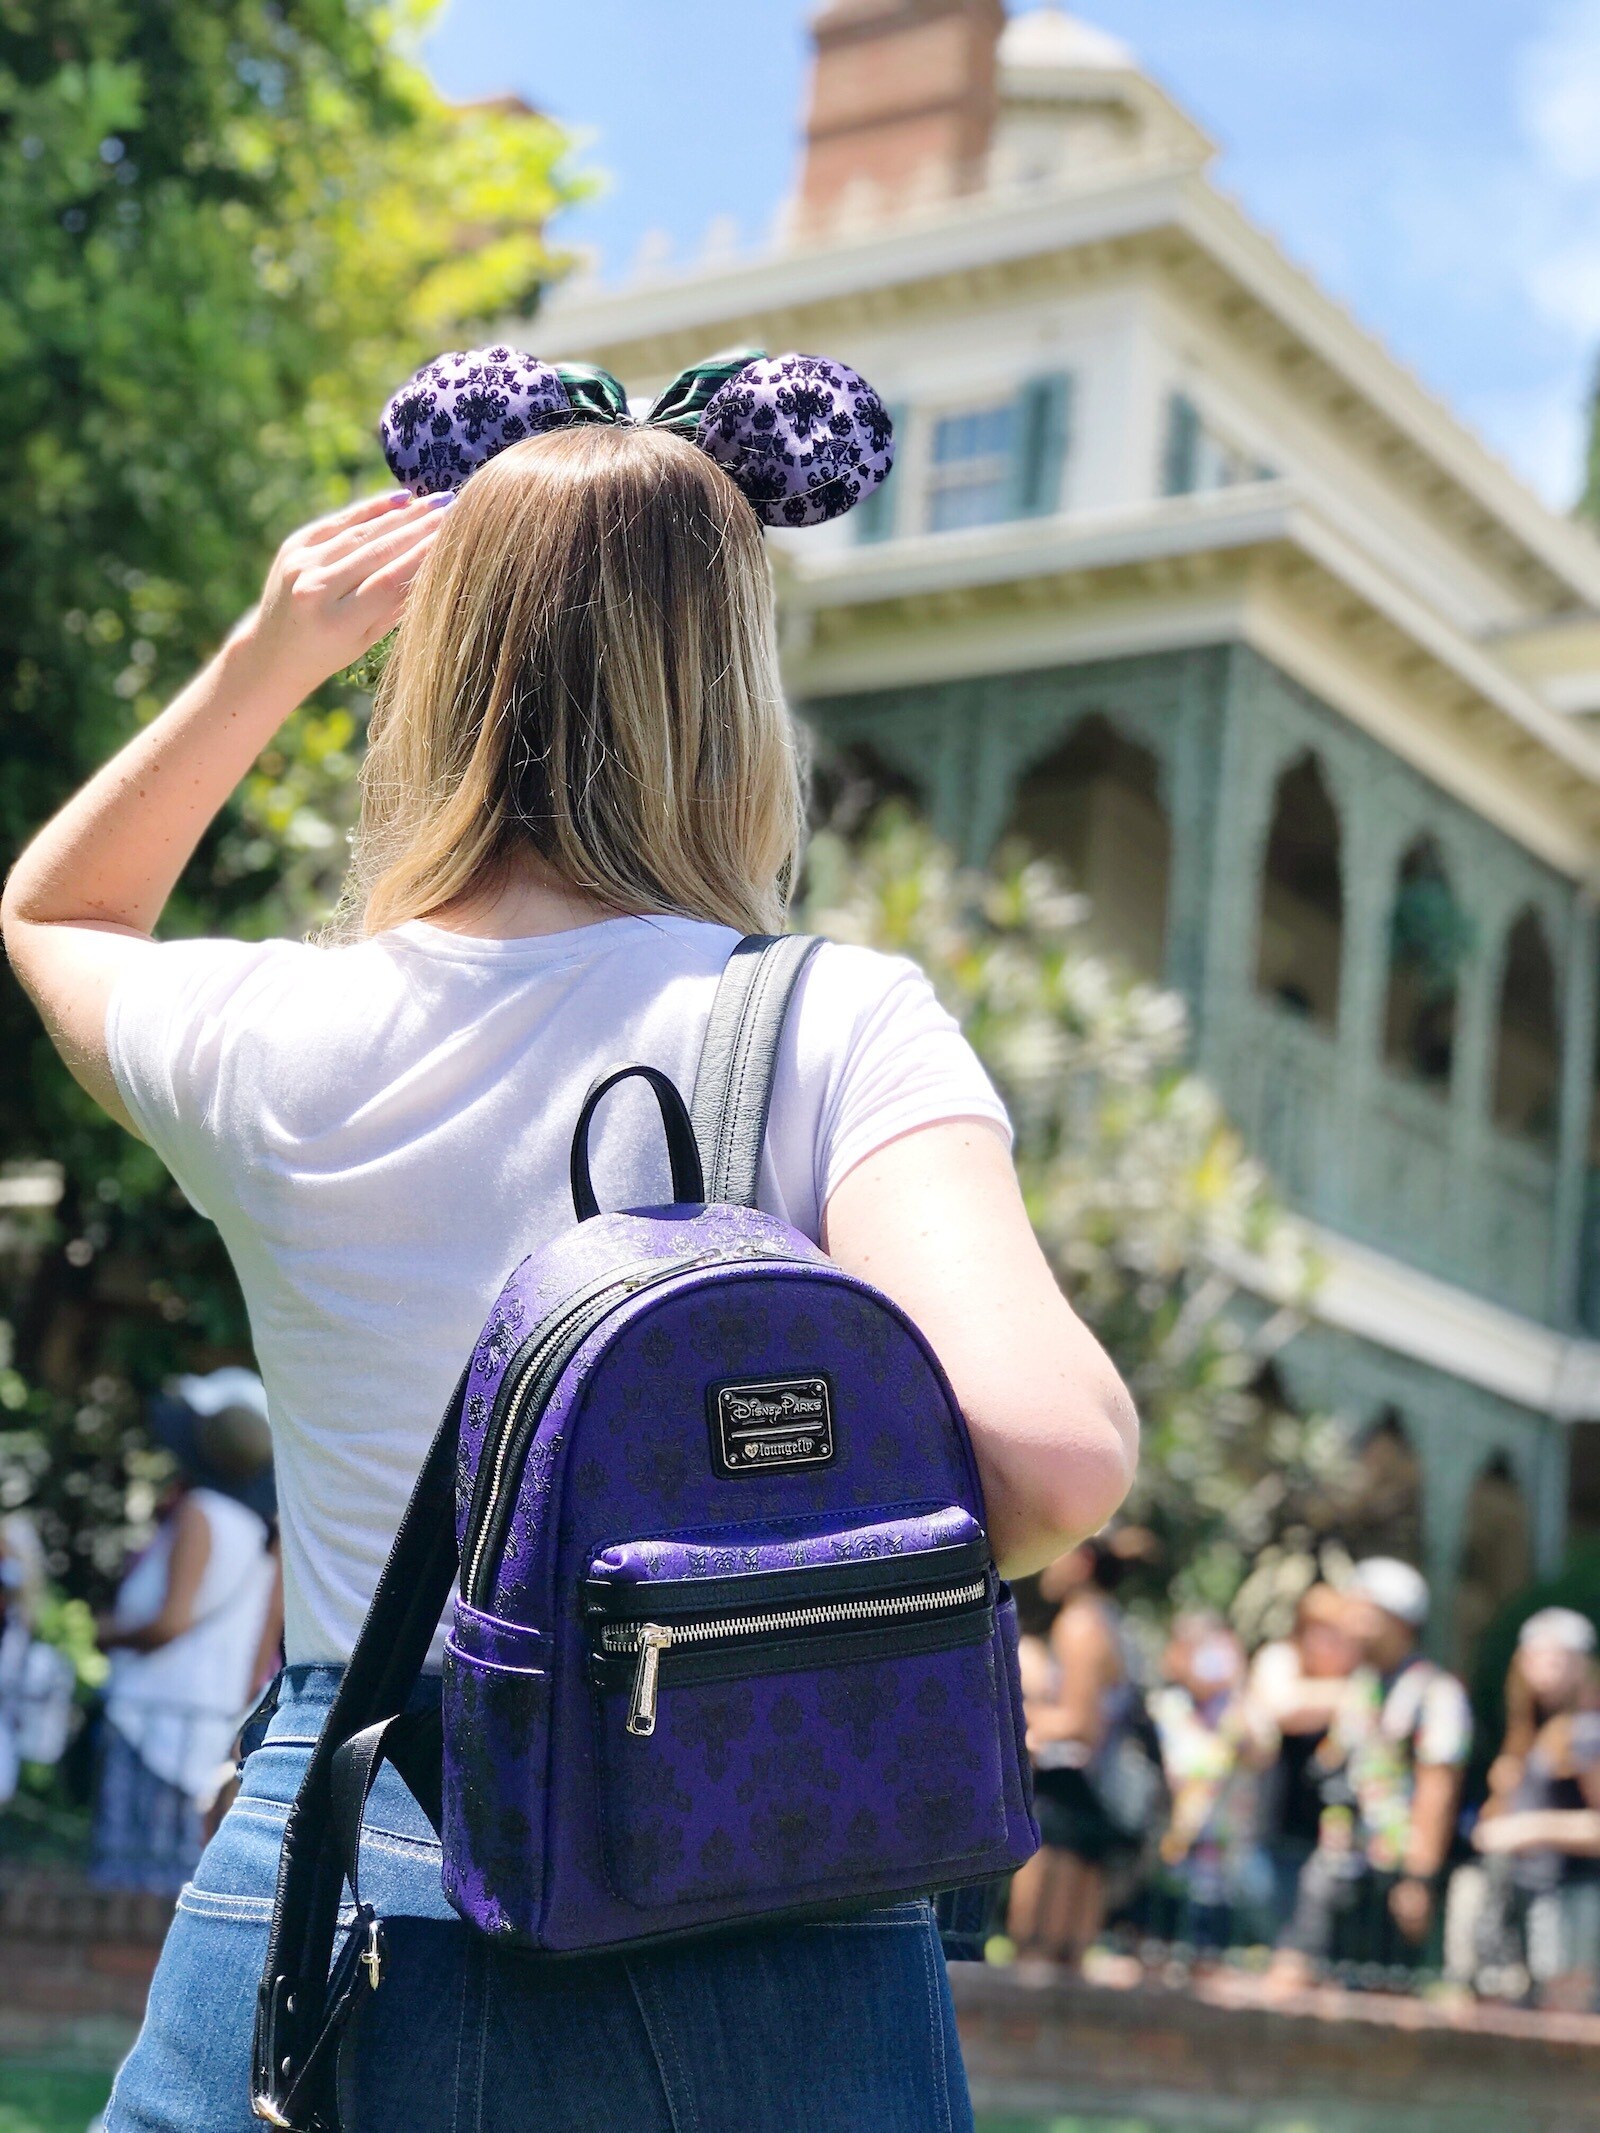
(586, 671)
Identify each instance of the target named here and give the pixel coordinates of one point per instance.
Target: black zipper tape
(744, 1653)
(795, 1652)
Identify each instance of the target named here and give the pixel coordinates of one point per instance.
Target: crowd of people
(192, 1634)
(1311, 1798)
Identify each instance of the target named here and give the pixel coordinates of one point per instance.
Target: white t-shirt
(381, 1132)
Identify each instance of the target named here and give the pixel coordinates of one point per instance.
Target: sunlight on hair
(585, 681)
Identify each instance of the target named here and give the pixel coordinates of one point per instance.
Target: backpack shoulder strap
(733, 1087)
(300, 2009)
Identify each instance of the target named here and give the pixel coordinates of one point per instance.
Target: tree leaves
(1141, 1192)
(226, 232)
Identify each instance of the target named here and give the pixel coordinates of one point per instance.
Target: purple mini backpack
(728, 1645)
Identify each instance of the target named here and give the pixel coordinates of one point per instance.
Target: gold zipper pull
(653, 1641)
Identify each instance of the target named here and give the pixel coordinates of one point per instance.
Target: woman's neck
(530, 901)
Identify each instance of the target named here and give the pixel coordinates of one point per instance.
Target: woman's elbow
(1073, 1481)
(1094, 1469)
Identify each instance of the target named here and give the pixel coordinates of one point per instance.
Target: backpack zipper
(494, 1459)
(651, 1639)
(536, 1380)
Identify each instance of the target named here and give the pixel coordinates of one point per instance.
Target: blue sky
(1435, 163)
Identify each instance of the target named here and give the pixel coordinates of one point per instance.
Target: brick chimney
(902, 103)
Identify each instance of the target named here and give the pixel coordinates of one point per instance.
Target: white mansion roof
(1375, 546)
(1050, 37)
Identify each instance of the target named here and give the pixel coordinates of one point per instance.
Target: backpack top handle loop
(688, 1184)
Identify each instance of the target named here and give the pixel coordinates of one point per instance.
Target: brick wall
(76, 1964)
(902, 99)
(1214, 2055)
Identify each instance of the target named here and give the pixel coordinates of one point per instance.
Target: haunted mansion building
(1180, 576)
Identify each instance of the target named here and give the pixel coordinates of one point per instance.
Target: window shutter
(875, 516)
(1039, 447)
(1180, 463)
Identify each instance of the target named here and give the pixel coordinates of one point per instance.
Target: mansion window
(1195, 458)
(959, 467)
(969, 472)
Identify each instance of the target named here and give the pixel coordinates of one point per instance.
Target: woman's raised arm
(935, 1219)
(86, 894)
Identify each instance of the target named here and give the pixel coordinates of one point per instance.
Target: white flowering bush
(1140, 1190)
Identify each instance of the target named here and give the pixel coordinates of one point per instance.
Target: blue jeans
(804, 2029)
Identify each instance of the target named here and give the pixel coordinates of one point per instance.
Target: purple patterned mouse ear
(804, 438)
(459, 410)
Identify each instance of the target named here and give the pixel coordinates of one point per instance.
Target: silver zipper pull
(372, 1955)
(653, 1641)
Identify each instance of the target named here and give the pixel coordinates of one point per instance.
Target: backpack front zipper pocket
(650, 1639)
(797, 1712)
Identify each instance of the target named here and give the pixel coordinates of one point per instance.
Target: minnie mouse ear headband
(805, 439)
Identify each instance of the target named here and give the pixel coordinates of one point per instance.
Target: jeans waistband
(302, 1696)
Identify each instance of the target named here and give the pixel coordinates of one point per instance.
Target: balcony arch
(850, 780)
(1527, 1054)
(1496, 1560)
(1094, 806)
(1430, 936)
(1300, 949)
(1382, 1507)
(1583, 1483)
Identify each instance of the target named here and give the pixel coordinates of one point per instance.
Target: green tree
(1140, 1191)
(226, 232)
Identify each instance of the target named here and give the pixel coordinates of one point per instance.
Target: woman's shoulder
(204, 1000)
(210, 972)
(844, 990)
(841, 969)
(848, 968)
(852, 996)
(186, 1018)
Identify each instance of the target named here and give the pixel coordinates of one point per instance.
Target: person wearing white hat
(1395, 1589)
(1548, 1829)
(1402, 1739)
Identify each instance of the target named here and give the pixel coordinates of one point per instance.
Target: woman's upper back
(381, 1132)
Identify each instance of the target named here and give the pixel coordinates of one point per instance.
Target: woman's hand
(337, 586)
(83, 899)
